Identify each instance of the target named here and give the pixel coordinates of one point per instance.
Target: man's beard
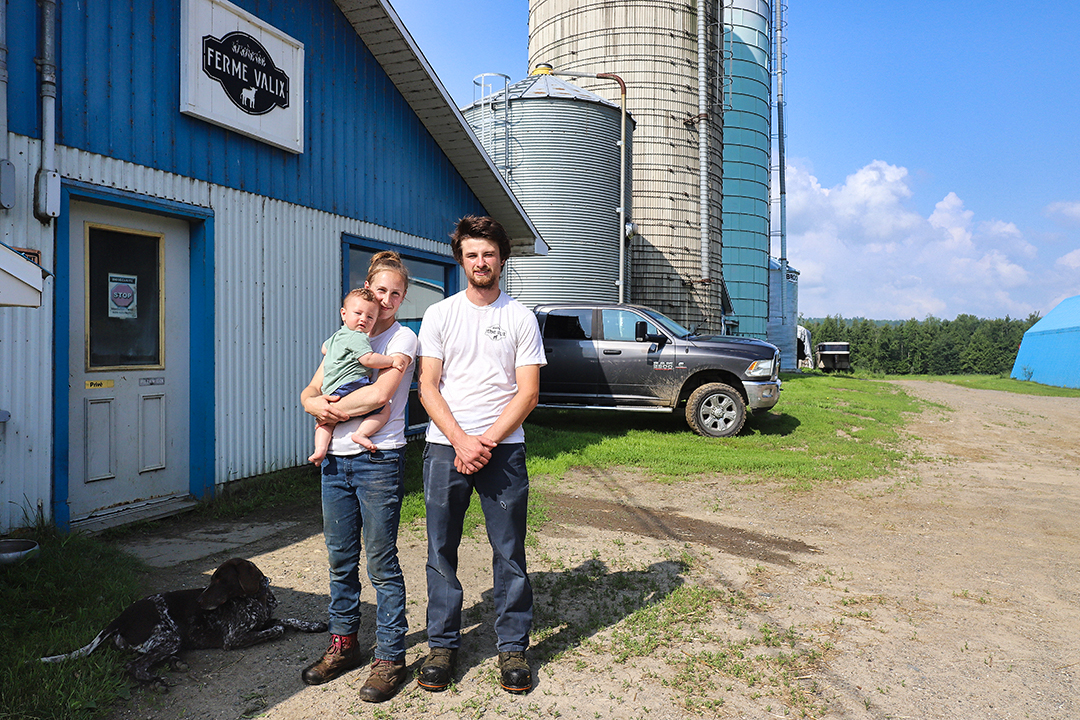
(484, 282)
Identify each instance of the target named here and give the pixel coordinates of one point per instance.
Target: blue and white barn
(203, 180)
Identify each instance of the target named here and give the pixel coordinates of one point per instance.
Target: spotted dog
(234, 611)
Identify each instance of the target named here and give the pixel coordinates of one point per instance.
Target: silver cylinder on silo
(558, 147)
(783, 324)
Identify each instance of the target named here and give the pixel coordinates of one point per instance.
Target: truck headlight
(760, 368)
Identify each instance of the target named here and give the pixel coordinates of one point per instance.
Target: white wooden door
(129, 365)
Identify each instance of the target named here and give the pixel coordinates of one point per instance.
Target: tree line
(966, 345)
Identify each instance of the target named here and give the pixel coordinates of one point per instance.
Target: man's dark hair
(484, 228)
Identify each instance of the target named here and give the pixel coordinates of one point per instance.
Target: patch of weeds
(773, 662)
(982, 599)
(663, 623)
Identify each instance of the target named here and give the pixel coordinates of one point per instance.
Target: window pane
(124, 299)
(619, 324)
(427, 286)
(568, 325)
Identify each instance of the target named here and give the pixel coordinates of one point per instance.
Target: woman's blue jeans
(503, 487)
(361, 498)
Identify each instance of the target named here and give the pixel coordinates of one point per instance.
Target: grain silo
(679, 97)
(747, 119)
(557, 145)
(784, 312)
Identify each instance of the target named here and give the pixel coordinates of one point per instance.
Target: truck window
(568, 325)
(619, 324)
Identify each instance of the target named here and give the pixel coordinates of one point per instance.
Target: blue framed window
(432, 278)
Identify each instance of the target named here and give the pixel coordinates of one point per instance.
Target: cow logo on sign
(246, 72)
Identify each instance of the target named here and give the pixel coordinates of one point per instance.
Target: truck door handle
(613, 352)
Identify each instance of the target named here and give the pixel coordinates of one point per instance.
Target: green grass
(996, 382)
(54, 603)
(825, 428)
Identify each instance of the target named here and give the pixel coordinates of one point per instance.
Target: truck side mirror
(641, 334)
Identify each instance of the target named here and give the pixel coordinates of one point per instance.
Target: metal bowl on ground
(14, 550)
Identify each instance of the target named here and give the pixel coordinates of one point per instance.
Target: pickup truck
(630, 357)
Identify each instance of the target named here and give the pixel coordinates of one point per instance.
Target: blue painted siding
(23, 105)
(366, 154)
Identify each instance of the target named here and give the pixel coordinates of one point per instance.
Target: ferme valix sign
(238, 72)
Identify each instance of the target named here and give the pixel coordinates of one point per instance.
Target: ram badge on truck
(630, 357)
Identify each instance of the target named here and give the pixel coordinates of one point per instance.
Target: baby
(348, 366)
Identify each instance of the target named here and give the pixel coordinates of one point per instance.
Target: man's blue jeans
(361, 497)
(503, 487)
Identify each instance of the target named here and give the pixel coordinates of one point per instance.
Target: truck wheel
(716, 410)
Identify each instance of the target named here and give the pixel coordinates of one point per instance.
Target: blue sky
(932, 146)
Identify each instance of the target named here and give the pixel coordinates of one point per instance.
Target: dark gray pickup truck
(630, 357)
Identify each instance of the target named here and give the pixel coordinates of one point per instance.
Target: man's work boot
(514, 673)
(342, 655)
(437, 669)
(385, 678)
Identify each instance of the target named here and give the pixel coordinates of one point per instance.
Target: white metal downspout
(622, 164)
(622, 182)
(703, 144)
(47, 188)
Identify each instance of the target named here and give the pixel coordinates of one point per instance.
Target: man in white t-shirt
(480, 357)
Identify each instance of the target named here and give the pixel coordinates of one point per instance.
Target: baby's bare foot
(363, 441)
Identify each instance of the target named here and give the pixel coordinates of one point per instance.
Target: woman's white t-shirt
(395, 339)
(481, 348)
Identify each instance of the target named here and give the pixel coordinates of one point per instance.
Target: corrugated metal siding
(25, 367)
(564, 168)
(277, 289)
(366, 153)
(652, 45)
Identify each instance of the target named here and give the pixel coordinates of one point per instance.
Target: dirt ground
(949, 590)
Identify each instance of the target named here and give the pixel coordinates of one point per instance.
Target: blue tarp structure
(1050, 351)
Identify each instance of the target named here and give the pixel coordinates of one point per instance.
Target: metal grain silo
(558, 147)
(784, 311)
(694, 74)
(653, 47)
(747, 119)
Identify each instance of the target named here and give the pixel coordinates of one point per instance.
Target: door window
(619, 324)
(123, 299)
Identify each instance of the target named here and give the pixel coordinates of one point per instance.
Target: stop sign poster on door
(123, 296)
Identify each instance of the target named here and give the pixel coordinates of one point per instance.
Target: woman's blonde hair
(387, 260)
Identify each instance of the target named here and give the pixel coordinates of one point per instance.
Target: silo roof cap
(774, 264)
(545, 86)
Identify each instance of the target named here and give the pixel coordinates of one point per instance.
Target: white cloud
(1070, 260)
(862, 250)
(949, 215)
(1066, 210)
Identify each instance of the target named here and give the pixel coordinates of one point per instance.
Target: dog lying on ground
(234, 611)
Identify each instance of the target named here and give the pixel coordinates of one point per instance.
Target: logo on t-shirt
(495, 333)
